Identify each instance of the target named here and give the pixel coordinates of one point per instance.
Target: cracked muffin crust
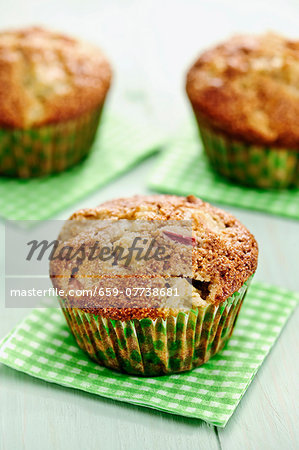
(224, 252)
(47, 78)
(247, 88)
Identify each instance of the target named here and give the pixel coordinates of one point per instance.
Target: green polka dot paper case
(47, 149)
(43, 347)
(252, 165)
(158, 346)
(184, 169)
(119, 145)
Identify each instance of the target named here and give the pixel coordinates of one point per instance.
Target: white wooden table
(150, 44)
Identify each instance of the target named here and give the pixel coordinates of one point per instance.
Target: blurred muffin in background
(245, 96)
(52, 91)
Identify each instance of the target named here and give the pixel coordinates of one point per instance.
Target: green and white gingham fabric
(119, 146)
(43, 347)
(183, 169)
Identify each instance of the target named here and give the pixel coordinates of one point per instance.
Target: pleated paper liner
(155, 347)
(47, 149)
(252, 165)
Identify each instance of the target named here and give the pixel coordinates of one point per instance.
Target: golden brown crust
(247, 87)
(224, 253)
(46, 77)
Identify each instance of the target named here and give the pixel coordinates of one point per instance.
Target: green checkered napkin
(119, 146)
(183, 169)
(43, 347)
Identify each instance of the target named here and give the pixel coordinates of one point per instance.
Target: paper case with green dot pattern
(156, 346)
(251, 165)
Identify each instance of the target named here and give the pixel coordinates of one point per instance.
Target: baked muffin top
(223, 254)
(248, 87)
(47, 77)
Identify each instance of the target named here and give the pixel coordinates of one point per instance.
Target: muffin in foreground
(52, 91)
(244, 94)
(210, 262)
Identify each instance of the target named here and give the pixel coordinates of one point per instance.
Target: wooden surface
(151, 45)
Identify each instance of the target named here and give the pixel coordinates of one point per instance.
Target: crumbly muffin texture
(115, 237)
(248, 88)
(47, 77)
(224, 253)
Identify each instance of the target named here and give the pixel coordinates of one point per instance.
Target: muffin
(52, 91)
(245, 97)
(211, 262)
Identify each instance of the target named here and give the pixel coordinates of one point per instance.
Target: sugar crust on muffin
(47, 77)
(224, 253)
(247, 87)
